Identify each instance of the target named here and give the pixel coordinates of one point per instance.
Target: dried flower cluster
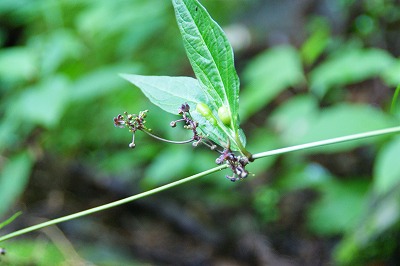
(133, 122)
(189, 123)
(236, 163)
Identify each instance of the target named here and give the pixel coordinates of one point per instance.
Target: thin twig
(327, 142)
(112, 204)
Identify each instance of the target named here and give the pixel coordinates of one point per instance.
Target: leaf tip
(123, 75)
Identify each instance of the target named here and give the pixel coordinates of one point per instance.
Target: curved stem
(112, 204)
(166, 140)
(327, 142)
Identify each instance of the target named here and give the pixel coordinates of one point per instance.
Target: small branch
(327, 142)
(10, 220)
(167, 140)
(112, 204)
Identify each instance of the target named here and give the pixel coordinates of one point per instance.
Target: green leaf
(13, 179)
(391, 75)
(387, 168)
(43, 103)
(25, 252)
(169, 93)
(268, 75)
(342, 120)
(348, 67)
(315, 45)
(160, 171)
(293, 118)
(211, 57)
(17, 64)
(339, 208)
(209, 52)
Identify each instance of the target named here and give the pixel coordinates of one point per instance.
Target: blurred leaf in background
(267, 75)
(351, 65)
(13, 179)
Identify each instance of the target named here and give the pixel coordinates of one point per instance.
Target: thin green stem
(166, 140)
(10, 220)
(112, 204)
(327, 142)
(395, 98)
(242, 148)
(190, 178)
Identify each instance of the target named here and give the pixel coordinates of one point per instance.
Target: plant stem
(327, 142)
(10, 220)
(395, 98)
(242, 148)
(190, 178)
(167, 140)
(112, 204)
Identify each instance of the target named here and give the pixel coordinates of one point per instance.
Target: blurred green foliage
(59, 90)
(32, 252)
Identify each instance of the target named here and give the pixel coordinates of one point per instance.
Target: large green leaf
(211, 57)
(169, 93)
(209, 52)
